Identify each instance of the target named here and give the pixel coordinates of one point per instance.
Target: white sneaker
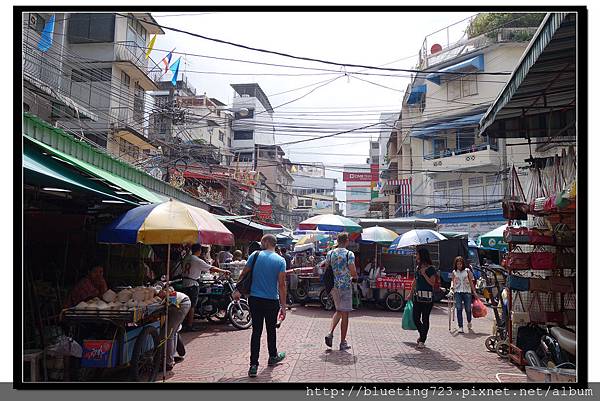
(469, 326)
(460, 330)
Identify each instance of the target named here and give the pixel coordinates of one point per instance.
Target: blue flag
(175, 69)
(46, 40)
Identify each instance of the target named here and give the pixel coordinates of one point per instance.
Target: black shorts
(192, 293)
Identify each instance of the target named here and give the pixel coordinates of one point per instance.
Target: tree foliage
(487, 22)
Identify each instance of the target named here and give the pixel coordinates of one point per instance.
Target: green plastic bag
(408, 322)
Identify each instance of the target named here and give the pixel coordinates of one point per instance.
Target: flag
(45, 42)
(175, 69)
(150, 46)
(404, 197)
(167, 60)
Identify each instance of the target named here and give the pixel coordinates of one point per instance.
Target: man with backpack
(266, 272)
(341, 262)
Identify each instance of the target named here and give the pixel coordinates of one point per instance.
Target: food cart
(118, 334)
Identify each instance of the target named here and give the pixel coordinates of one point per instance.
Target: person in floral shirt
(343, 265)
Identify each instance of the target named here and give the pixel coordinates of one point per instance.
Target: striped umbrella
(170, 222)
(377, 235)
(330, 222)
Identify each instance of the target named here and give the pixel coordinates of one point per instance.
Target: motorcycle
(557, 349)
(216, 304)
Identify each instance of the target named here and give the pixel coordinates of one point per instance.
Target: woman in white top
(463, 288)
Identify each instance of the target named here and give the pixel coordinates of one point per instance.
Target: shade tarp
(416, 93)
(114, 179)
(434, 129)
(51, 173)
(472, 63)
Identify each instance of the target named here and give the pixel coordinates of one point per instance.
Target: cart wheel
(502, 349)
(394, 301)
(146, 356)
(490, 343)
(239, 314)
(532, 359)
(300, 295)
(326, 301)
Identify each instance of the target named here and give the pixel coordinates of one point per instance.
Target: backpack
(244, 285)
(328, 277)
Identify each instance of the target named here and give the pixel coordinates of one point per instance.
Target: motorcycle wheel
(502, 349)
(301, 295)
(532, 359)
(326, 301)
(239, 314)
(394, 301)
(491, 342)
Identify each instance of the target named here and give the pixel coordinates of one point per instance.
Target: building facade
(359, 185)
(101, 101)
(454, 174)
(314, 192)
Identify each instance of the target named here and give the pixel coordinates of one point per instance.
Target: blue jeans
(459, 298)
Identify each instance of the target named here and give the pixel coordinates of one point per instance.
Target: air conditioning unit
(33, 19)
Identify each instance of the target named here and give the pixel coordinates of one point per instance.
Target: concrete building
(315, 193)
(359, 184)
(103, 100)
(388, 167)
(454, 174)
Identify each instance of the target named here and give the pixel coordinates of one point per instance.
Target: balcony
(462, 159)
(123, 118)
(131, 58)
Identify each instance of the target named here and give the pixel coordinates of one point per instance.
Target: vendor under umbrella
(91, 286)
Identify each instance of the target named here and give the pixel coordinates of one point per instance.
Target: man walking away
(267, 299)
(341, 261)
(193, 267)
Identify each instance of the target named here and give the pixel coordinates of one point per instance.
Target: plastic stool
(33, 356)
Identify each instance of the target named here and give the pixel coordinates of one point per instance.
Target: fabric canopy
(434, 129)
(474, 62)
(416, 93)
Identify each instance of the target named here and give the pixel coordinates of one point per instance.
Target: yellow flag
(150, 46)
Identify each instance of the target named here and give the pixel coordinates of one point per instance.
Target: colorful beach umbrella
(170, 222)
(312, 238)
(330, 222)
(417, 237)
(378, 235)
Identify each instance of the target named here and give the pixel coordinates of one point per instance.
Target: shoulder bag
(245, 283)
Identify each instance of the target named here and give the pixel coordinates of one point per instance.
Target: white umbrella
(416, 237)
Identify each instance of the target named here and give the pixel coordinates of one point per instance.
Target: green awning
(113, 179)
(43, 170)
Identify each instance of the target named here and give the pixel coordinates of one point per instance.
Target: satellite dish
(243, 112)
(436, 48)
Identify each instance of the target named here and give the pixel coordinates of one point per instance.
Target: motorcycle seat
(566, 339)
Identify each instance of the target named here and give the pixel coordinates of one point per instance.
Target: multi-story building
(359, 185)
(274, 167)
(454, 174)
(93, 80)
(387, 165)
(315, 193)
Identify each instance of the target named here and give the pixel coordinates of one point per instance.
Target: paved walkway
(381, 352)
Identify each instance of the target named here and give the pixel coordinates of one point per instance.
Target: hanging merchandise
(514, 205)
(479, 309)
(518, 260)
(543, 260)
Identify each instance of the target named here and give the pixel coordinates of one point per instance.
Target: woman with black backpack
(422, 294)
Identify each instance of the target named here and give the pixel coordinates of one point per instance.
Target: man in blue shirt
(267, 299)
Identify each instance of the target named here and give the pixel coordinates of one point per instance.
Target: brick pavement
(381, 352)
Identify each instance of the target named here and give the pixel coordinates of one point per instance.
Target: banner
(357, 177)
(265, 212)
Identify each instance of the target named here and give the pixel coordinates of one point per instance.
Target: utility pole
(333, 202)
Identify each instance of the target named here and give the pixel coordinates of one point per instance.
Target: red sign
(357, 177)
(394, 283)
(265, 212)
(375, 172)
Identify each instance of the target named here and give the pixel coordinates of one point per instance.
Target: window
(439, 200)
(127, 148)
(245, 156)
(125, 79)
(305, 203)
(493, 188)
(91, 28)
(462, 86)
(243, 135)
(91, 75)
(465, 140)
(221, 136)
(439, 146)
(440, 185)
(375, 160)
(476, 193)
(37, 22)
(455, 183)
(239, 116)
(455, 198)
(374, 145)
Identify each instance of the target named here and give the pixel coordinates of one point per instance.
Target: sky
(392, 39)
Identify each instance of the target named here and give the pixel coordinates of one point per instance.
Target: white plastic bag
(65, 346)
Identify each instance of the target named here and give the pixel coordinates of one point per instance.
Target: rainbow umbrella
(330, 222)
(170, 222)
(378, 235)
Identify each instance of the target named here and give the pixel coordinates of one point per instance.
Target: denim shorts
(342, 298)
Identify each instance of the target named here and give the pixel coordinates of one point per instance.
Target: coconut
(124, 295)
(139, 294)
(150, 292)
(109, 296)
(81, 305)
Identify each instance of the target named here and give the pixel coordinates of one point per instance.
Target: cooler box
(99, 354)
